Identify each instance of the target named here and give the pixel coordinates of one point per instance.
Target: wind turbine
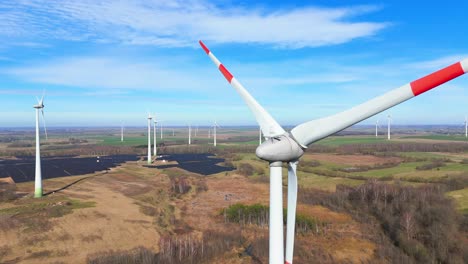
(466, 127)
(154, 138)
(161, 127)
(149, 138)
(189, 134)
(121, 131)
(376, 129)
(215, 125)
(389, 120)
(38, 178)
(282, 146)
(209, 132)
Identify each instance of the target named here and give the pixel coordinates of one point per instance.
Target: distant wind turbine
(376, 128)
(121, 131)
(149, 138)
(214, 132)
(190, 134)
(154, 138)
(38, 178)
(389, 120)
(466, 127)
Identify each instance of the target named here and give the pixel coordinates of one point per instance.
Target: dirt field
(117, 220)
(351, 159)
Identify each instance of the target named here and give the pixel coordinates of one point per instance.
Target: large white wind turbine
(389, 121)
(38, 178)
(149, 138)
(282, 146)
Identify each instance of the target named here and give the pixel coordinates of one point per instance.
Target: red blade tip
(204, 47)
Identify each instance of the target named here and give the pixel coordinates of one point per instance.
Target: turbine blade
(314, 130)
(291, 218)
(269, 126)
(44, 124)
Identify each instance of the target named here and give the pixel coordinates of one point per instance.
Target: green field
(461, 197)
(440, 137)
(345, 140)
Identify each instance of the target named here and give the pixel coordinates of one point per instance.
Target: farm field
(134, 209)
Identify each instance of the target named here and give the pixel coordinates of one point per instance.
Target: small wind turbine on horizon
(466, 127)
(121, 131)
(376, 129)
(215, 125)
(149, 138)
(282, 146)
(38, 173)
(154, 137)
(389, 120)
(190, 134)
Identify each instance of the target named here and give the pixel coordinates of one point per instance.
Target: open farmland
(137, 209)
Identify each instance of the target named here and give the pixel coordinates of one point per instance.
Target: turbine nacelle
(281, 148)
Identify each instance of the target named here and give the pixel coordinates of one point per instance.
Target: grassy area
(337, 141)
(439, 137)
(461, 197)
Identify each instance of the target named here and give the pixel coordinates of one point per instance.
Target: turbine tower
(154, 138)
(121, 131)
(389, 120)
(38, 178)
(282, 146)
(189, 134)
(466, 127)
(161, 127)
(149, 138)
(376, 129)
(214, 132)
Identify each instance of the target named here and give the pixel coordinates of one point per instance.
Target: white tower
(154, 139)
(466, 127)
(214, 132)
(377, 129)
(121, 132)
(38, 172)
(389, 119)
(190, 134)
(149, 138)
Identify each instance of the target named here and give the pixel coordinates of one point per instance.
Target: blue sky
(103, 62)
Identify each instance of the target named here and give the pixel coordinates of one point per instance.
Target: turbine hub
(282, 148)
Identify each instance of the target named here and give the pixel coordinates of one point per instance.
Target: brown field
(350, 159)
(127, 214)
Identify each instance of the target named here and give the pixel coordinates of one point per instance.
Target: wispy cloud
(180, 23)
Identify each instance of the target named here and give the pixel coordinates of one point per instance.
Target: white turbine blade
(314, 130)
(269, 126)
(291, 218)
(44, 124)
(38, 101)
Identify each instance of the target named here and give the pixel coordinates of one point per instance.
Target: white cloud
(181, 23)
